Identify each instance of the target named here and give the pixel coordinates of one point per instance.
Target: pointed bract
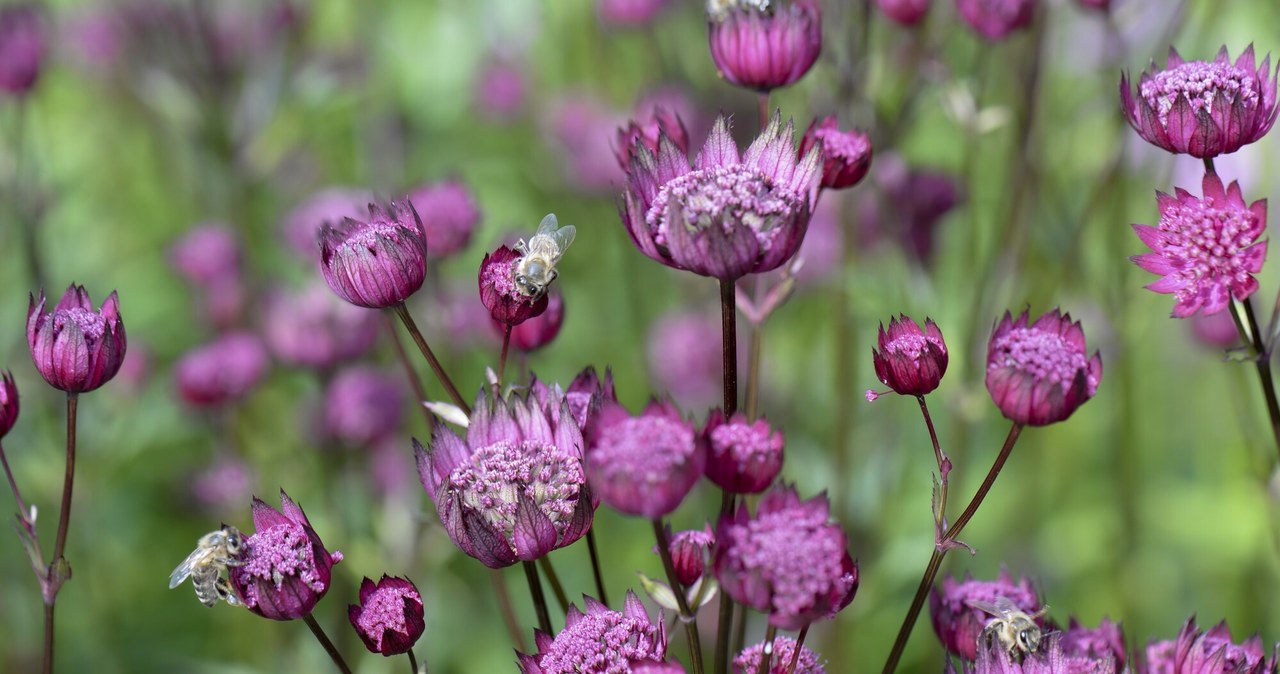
(75, 348)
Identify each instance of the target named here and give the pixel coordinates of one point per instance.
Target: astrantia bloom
(1039, 374)
(389, 617)
(1206, 249)
(587, 395)
(499, 292)
(742, 457)
(285, 569)
(499, 91)
(724, 216)
(788, 561)
(784, 648)
(333, 204)
(8, 403)
(647, 129)
(538, 331)
(314, 328)
(21, 48)
(599, 640)
(1104, 642)
(363, 405)
(689, 550)
(1200, 108)
(514, 489)
(1049, 658)
(643, 465)
(846, 154)
(994, 19)
(75, 348)
(685, 359)
(208, 255)
(905, 12)
(910, 361)
(449, 215)
(958, 624)
(222, 371)
(1212, 652)
(764, 45)
(379, 263)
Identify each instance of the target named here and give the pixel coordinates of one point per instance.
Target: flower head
(764, 45)
(75, 348)
(742, 457)
(222, 371)
(363, 405)
(500, 91)
(689, 553)
(1206, 249)
(724, 215)
(1039, 374)
(846, 154)
(286, 569)
(313, 328)
(514, 489)
(910, 361)
(500, 293)
(8, 403)
(1051, 657)
(994, 19)
(1102, 643)
(600, 640)
(647, 129)
(587, 394)
(1203, 108)
(22, 47)
(449, 215)
(208, 255)
(784, 649)
(538, 331)
(301, 226)
(643, 465)
(685, 358)
(958, 623)
(389, 617)
(379, 263)
(905, 12)
(1211, 652)
(789, 560)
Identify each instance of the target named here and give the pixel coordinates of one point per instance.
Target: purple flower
(500, 293)
(764, 45)
(301, 227)
(689, 553)
(314, 328)
(449, 214)
(846, 154)
(1200, 108)
(1102, 643)
(643, 465)
(1039, 374)
(958, 623)
(587, 394)
(222, 484)
(379, 263)
(784, 649)
(75, 348)
(1217, 331)
(500, 91)
(1049, 658)
(286, 568)
(1212, 652)
(647, 128)
(994, 19)
(21, 48)
(600, 640)
(8, 403)
(222, 371)
(208, 256)
(363, 405)
(389, 617)
(1206, 250)
(584, 128)
(540, 330)
(685, 358)
(789, 561)
(910, 361)
(905, 12)
(724, 216)
(514, 489)
(632, 13)
(742, 457)
(912, 204)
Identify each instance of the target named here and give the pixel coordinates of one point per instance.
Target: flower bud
(286, 569)
(538, 331)
(222, 371)
(389, 617)
(742, 457)
(1039, 374)
(379, 263)
(846, 154)
(910, 361)
(22, 48)
(75, 348)
(499, 293)
(449, 215)
(8, 403)
(763, 46)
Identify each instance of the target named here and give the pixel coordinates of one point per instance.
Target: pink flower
(286, 569)
(314, 328)
(449, 215)
(389, 617)
(1102, 643)
(1201, 108)
(208, 255)
(994, 19)
(8, 403)
(1039, 374)
(633, 13)
(222, 371)
(685, 359)
(689, 552)
(784, 649)
(846, 154)
(905, 12)
(363, 405)
(501, 295)
(742, 457)
(643, 465)
(1211, 652)
(538, 331)
(500, 91)
(75, 348)
(958, 623)
(601, 640)
(910, 361)
(301, 227)
(379, 263)
(765, 45)
(22, 48)
(647, 128)
(1050, 657)
(1207, 249)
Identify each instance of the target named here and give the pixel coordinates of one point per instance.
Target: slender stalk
(505, 608)
(754, 337)
(554, 580)
(1247, 323)
(403, 312)
(729, 346)
(328, 645)
(539, 599)
(763, 103)
(795, 654)
(595, 565)
(739, 628)
(410, 373)
(17, 495)
(686, 615)
(413, 663)
(64, 515)
(502, 359)
(725, 623)
(940, 550)
(766, 653)
(944, 464)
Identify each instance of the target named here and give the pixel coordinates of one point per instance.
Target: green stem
(1247, 323)
(508, 612)
(328, 645)
(539, 599)
(413, 663)
(725, 623)
(729, 346)
(502, 359)
(17, 495)
(763, 103)
(686, 616)
(409, 372)
(595, 565)
(554, 580)
(795, 654)
(766, 652)
(403, 312)
(944, 467)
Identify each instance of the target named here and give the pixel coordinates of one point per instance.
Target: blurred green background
(1149, 505)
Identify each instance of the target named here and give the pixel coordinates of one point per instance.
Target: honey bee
(1017, 630)
(214, 553)
(536, 268)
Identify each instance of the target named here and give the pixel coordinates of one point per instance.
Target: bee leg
(225, 592)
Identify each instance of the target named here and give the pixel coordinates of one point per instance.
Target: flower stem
(58, 571)
(754, 337)
(1247, 323)
(539, 599)
(729, 346)
(725, 623)
(940, 550)
(403, 312)
(554, 580)
(595, 565)
(763, 102)
(409, 372)
(766, 653)
(686, 616)
(17, 495)
(795, 654)
(944, 465)
(504, 607)
(328, 645)
(413, 663)
(502, 359)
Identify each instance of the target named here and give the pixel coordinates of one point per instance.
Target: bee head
(1029, 639)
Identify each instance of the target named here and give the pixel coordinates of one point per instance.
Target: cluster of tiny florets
(736, 194)
(1201, 83)
(500, 473)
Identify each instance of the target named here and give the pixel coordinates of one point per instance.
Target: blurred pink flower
(684, 357)
(631, 13)
(584, 129)
(301, 226)
(500, 91)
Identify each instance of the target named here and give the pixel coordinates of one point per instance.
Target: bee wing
(563, 237)
(185, 568)
(548, 225)
(1001, 608)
